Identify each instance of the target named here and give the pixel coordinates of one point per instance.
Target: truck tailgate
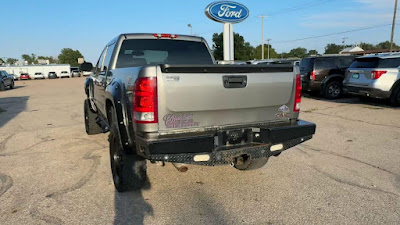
(210, 96)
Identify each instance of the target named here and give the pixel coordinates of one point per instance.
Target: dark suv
(325, 74)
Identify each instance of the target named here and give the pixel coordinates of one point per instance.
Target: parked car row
(50, 75)
(375, 76)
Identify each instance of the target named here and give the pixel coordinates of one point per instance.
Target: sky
(44, 27)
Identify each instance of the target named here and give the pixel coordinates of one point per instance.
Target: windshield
(138, 52)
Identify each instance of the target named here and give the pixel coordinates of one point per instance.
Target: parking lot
(51, 172)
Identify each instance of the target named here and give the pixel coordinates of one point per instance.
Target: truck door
(98, 81)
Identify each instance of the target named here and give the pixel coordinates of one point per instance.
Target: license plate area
(355, 76)
(228, 138)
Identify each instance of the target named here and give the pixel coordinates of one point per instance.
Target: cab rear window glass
(140, 52)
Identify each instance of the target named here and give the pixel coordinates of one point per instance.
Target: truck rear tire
(252, 164)
(333, 90)
(128, 169)
(91, 126)
(395, 97)
(2, 87)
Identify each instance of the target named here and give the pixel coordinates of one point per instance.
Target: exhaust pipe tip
(180, 167)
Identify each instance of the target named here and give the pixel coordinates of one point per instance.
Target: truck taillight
(312, 75)
(377, 74)
(145, 100)
(297, 97)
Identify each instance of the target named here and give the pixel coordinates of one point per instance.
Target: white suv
(375, 76)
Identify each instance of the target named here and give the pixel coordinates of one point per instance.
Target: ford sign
(227, 12)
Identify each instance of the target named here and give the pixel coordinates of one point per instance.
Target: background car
(75, 74)
(52, 75)
(325, 74)
(375, 76)
(38, 75)
(6, 80)
(64, 74)
(24, 76)
(86, 73)
(15, 76)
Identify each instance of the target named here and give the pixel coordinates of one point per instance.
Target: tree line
(67, 56)
(245, 51)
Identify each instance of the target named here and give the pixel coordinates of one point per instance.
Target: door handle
(234, 81)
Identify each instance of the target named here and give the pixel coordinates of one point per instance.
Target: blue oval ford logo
(227, 12)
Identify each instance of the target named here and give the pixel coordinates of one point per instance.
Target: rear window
(307, 64)
(326, 63)
(376, 63)
(138, 52)
(64, 72)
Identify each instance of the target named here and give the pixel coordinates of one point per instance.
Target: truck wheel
(395, 97)
(128, 169)
(332, 90)
(12, 85)
(2, 87)
(252, 164)
(91, 126)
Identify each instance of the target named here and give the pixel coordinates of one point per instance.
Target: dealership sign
(227, 12)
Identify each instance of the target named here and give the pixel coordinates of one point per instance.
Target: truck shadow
(131, 207)
(10, 107)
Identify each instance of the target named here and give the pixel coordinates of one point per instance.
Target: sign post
(228, 13)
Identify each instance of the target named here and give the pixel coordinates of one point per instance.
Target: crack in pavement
(349, 158)
(46, 218)
(356, 120)
(330, 176)
(337, 179)
(5, 184)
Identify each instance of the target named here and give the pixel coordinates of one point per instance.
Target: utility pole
(262, 36)
(268, 46)
(191, 29)
(393, 25)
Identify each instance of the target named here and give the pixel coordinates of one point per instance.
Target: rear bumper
(260, 140)
(366, 91)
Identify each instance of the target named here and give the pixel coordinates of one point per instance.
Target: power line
(331, 34)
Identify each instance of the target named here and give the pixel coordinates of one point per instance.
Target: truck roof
(151, 36)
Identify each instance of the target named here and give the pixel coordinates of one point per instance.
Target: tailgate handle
(234, 81)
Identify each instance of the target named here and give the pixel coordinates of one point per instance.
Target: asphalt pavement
(51, 172)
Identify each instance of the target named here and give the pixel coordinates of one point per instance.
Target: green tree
(312, 52)
(69, 56)
(51, 59)
(334, 48)
(243, 49)
(367, 46)
(11, 61)
(272, 52)
(1, 61)
(386, 45)
(29, 58)
(297, 52)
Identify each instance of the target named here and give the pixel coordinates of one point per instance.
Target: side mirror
(86, 66)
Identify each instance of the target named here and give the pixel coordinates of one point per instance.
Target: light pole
(393, 25)
(262, 36)
(268, 45)
(191, 29)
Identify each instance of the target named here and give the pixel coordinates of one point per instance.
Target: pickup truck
(164, 99)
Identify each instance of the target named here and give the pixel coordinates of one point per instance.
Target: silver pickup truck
(164, 99)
